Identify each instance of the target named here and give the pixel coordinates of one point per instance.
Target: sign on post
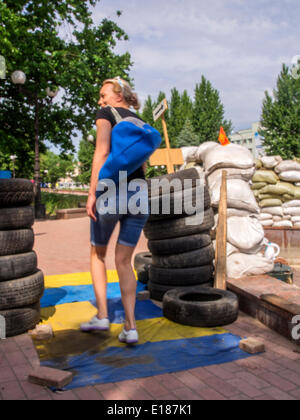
(2, 328)
(168, 156)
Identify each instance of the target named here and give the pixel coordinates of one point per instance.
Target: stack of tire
(21, 283)
(182, 252)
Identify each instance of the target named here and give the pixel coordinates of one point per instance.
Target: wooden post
(169, 162)
(221, 245)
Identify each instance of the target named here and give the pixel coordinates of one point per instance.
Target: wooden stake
(221, 246)
(169, 162)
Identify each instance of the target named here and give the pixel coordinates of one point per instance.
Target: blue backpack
(132, 143)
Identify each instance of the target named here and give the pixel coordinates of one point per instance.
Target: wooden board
(221, 246)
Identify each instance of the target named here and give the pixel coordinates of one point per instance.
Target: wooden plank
(221, 245)
(159, 157)
(281, 303)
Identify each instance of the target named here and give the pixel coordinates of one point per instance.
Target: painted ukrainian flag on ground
(99, 357)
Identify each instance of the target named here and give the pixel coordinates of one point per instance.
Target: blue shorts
(131, 225)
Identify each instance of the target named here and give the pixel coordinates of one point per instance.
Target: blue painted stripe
(71, 294)
(149, 359)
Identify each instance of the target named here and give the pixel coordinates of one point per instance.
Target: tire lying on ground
(157, 291)
(21, 292)
(19, 321)
(194, 258)
(191, 200)
(142, 263)
(179, 245)
(16, 192)
(193, 174)
(17, 266)
(166, 229)
(16, 241)
(202, 307)
(181, 276)
(16, 218)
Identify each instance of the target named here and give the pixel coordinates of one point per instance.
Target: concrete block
(144, 295)
(252, 346)
(45, 376)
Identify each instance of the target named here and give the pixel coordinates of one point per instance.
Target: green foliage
(85, 157)
(187, 136)
(208, 112)
(31, 41)
(54, 202)
(56, 166)
(281, 117)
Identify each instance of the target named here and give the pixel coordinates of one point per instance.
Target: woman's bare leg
(128, 283)
(99, 276)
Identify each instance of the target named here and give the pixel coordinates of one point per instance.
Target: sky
(239, 45)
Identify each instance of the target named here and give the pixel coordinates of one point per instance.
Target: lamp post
(19, 78)
(13, 158)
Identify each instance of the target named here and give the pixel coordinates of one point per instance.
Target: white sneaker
(129, 337)
(96, 324)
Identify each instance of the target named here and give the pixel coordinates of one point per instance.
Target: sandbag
(287, 165)
(203, 149)
(239, 195)
(262, 197)
(245, 233)
(296, 219)
(231, 156)
(258, 185)
(270, 202)
(274, 211)
(297, 193)
(280, 188)
(292, 211)
(189, 154)
(293, 203)
(270, 162)
(232, 173)
(297, 224)
(237, 213)
(265, 176)
(284, 223)
(291, 176)
(240, 265)
(297, 184)
(267, 223)
(264, 216)
(258, 164)
(230, 249)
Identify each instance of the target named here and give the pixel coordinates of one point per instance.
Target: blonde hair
(121, 86)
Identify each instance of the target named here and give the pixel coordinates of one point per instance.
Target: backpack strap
(115, 113)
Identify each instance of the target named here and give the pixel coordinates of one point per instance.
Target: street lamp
(90, 138)
(13, 158)
(19, 78)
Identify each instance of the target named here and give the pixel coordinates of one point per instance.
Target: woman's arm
(100, 156)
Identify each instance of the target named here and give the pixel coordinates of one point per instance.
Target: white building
(249, 138)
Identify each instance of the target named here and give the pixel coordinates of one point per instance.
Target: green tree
(31, 41)
(53, 167)
(208, 112)
(85, 157)
(187, 136)
(281, 117)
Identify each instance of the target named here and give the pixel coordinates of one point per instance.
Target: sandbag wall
(21, 283)
(181, 246)
(276, 185)
(246, 235)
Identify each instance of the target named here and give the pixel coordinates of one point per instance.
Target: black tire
(142, 259)
(157, 291)
(205, 308)
(16, 192)
(174, 228)
(142, 263)
(187, 201)
(19, 321)
(16, 218)
(21, 292)
(17, 266)
(181, 277)
(16, 241)
(179, 245)
(192, 174)
(196, 258)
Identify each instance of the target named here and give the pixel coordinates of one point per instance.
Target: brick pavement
(274, 375)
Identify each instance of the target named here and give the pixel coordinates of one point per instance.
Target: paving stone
(252, 346)
(50, 377)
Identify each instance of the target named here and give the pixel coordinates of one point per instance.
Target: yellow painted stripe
(69, 317)
(77, 279)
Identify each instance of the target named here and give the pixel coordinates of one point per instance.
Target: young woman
(118, 94)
